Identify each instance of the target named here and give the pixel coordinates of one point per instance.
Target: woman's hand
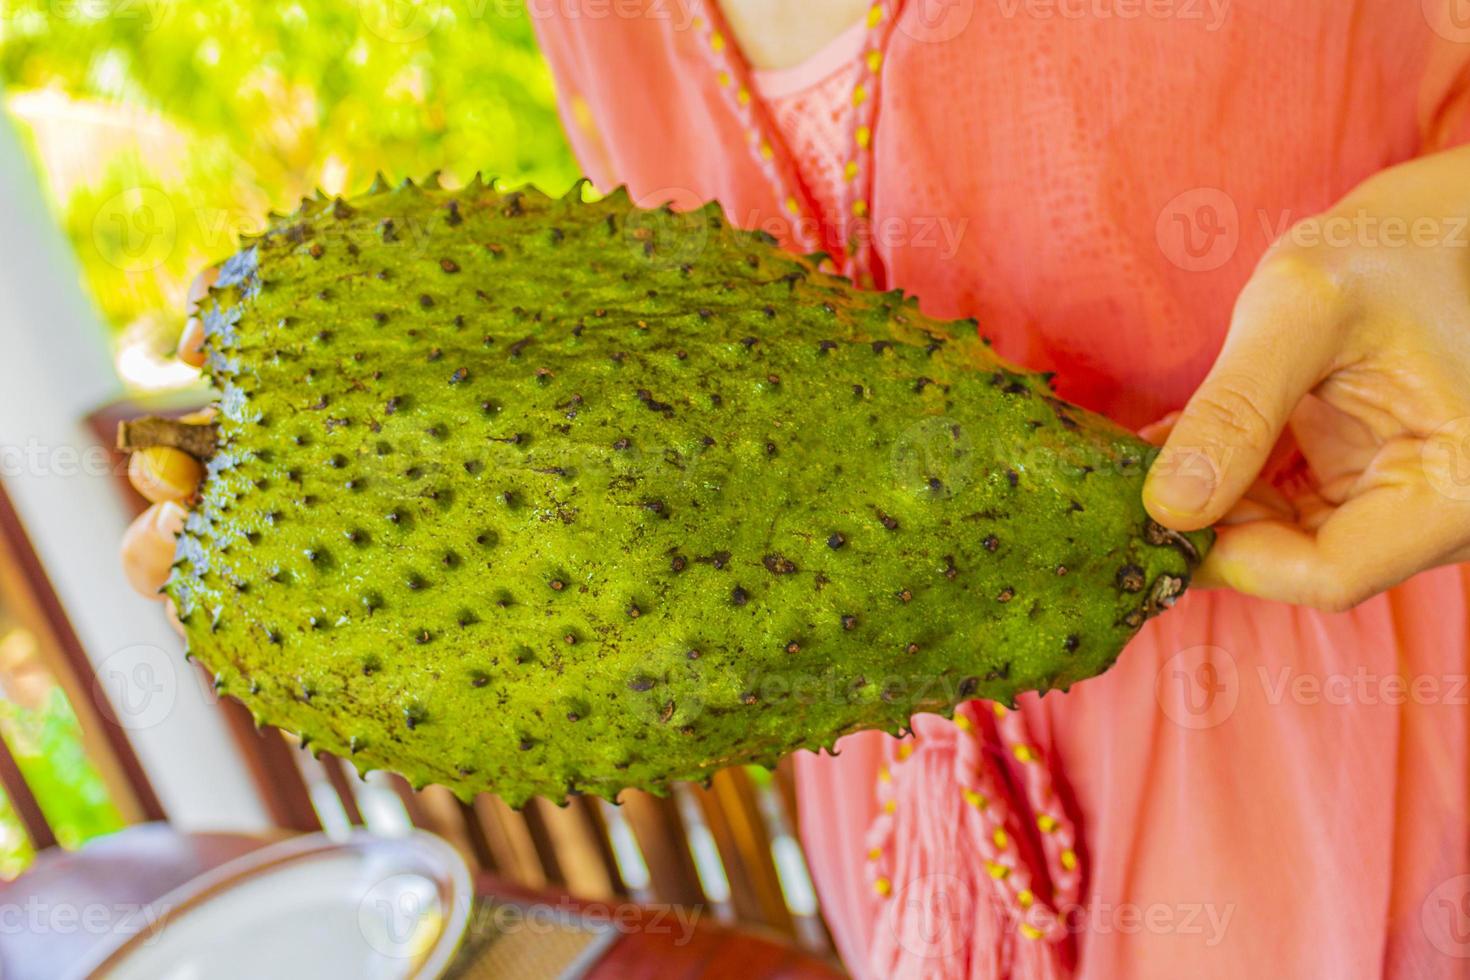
(1353, 336)
(167, 477)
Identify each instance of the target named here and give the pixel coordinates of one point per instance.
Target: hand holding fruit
(166, 477)
(1354, 337)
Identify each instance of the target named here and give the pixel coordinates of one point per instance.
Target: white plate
(369, 907)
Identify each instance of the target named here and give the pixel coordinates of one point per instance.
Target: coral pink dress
(1255, 789)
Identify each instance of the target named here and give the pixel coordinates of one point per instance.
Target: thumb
(1282, 343)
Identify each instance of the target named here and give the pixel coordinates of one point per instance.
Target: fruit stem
(198, 439)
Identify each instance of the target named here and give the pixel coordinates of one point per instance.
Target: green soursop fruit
(541, 496)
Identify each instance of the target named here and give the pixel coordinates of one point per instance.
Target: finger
(1282, 342)
(1156, 432)
(160, 473)
(1247, 510)
(1261, 502)
(1264, 495)
(199, 287)
(148, 547)
(172, 612)
(1313, 510)
(191, 341)
(1367, 545)
(1336, 446)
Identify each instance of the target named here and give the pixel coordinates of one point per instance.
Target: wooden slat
(591, 812)
(337, 775)
(784, 776)
(417, 815)
(510, 841)
(28, 592)
(661, 837)
(813, 929)
(438, 810)
(444, 815)
(583, 854)
(479, 840)
(268, 757)
(732, 813)
(536, 824)
(23, 801)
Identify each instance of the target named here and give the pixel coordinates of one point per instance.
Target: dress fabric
(811, 108)
(1255, 789)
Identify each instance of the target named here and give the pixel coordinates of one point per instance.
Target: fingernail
(148, 547)
(1180, 492)
(161, 474)
(192, 337)
(191, 343)
(170, 519)
(1179, 484)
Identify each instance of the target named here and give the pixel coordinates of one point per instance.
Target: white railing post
(55, 367)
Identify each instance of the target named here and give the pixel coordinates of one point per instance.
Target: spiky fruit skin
(541, 496)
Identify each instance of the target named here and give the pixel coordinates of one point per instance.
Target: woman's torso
(1092, 179)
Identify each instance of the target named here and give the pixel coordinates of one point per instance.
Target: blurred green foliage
(238, 107)
(46, 741)
(47, 744)
(16, 852)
